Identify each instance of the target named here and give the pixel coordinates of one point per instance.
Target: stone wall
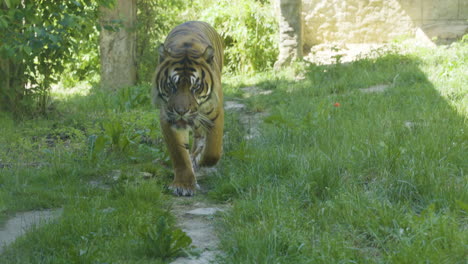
(381, 21)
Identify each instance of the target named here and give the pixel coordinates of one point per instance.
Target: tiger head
(184, 86)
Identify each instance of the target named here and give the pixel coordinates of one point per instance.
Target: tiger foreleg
(184, 183)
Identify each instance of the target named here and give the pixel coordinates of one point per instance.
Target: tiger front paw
(183, 189)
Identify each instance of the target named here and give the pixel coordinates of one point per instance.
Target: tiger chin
(187, 90)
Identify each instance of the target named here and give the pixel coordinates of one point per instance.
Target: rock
(233, 105)
(108, 210)
(253, 90)
(99, 184)
(409, 124)
(145, 175)
(205, 211)
(115, 175)
(375, 89)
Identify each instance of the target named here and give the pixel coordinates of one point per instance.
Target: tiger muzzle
(182, 111)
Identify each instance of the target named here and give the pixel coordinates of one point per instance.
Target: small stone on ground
(375, 89)
(205, 211)
(233, 105)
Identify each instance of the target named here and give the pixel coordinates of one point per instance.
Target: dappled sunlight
(59, 92)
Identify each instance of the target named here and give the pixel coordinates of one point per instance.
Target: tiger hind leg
(199, 141)
(213, 145)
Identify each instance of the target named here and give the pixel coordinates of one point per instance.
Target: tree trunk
(290, 26)
(118, 45)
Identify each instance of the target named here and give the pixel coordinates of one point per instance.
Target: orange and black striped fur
(187, 88)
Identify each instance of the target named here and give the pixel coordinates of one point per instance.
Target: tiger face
(185, 88)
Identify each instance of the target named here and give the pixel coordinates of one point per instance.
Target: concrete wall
(380, 21)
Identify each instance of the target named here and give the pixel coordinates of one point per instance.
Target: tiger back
(187, 89)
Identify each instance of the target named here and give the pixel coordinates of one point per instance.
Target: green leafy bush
(155, 20)
(132, 97)
(38, 39)
(249, 29)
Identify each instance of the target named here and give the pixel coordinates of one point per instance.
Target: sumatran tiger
(187, 89)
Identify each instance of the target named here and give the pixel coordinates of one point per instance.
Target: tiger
(187, 89)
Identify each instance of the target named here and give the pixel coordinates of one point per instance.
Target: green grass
(88, 157)
(379, 179)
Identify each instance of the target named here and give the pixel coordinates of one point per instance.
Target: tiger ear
(162, 53)
(209, 54)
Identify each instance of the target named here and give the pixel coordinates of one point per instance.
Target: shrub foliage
(44, 42)
(38, 39)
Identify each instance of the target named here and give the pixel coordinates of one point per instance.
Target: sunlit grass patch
(342, 175)
(59, 92)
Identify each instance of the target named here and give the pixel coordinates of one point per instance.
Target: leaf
(164, 240)
(124, 143)
(37, 44)
(54, 38)
(3, 23)
(114, 130)
(99, 144)
(7, 51)
(180, 241)
(27, 50)
(96, 145)
(67, 21)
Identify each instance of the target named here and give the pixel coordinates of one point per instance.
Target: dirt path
(22, 222)
(197, 215)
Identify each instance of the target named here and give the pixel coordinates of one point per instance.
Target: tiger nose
(181, 110)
